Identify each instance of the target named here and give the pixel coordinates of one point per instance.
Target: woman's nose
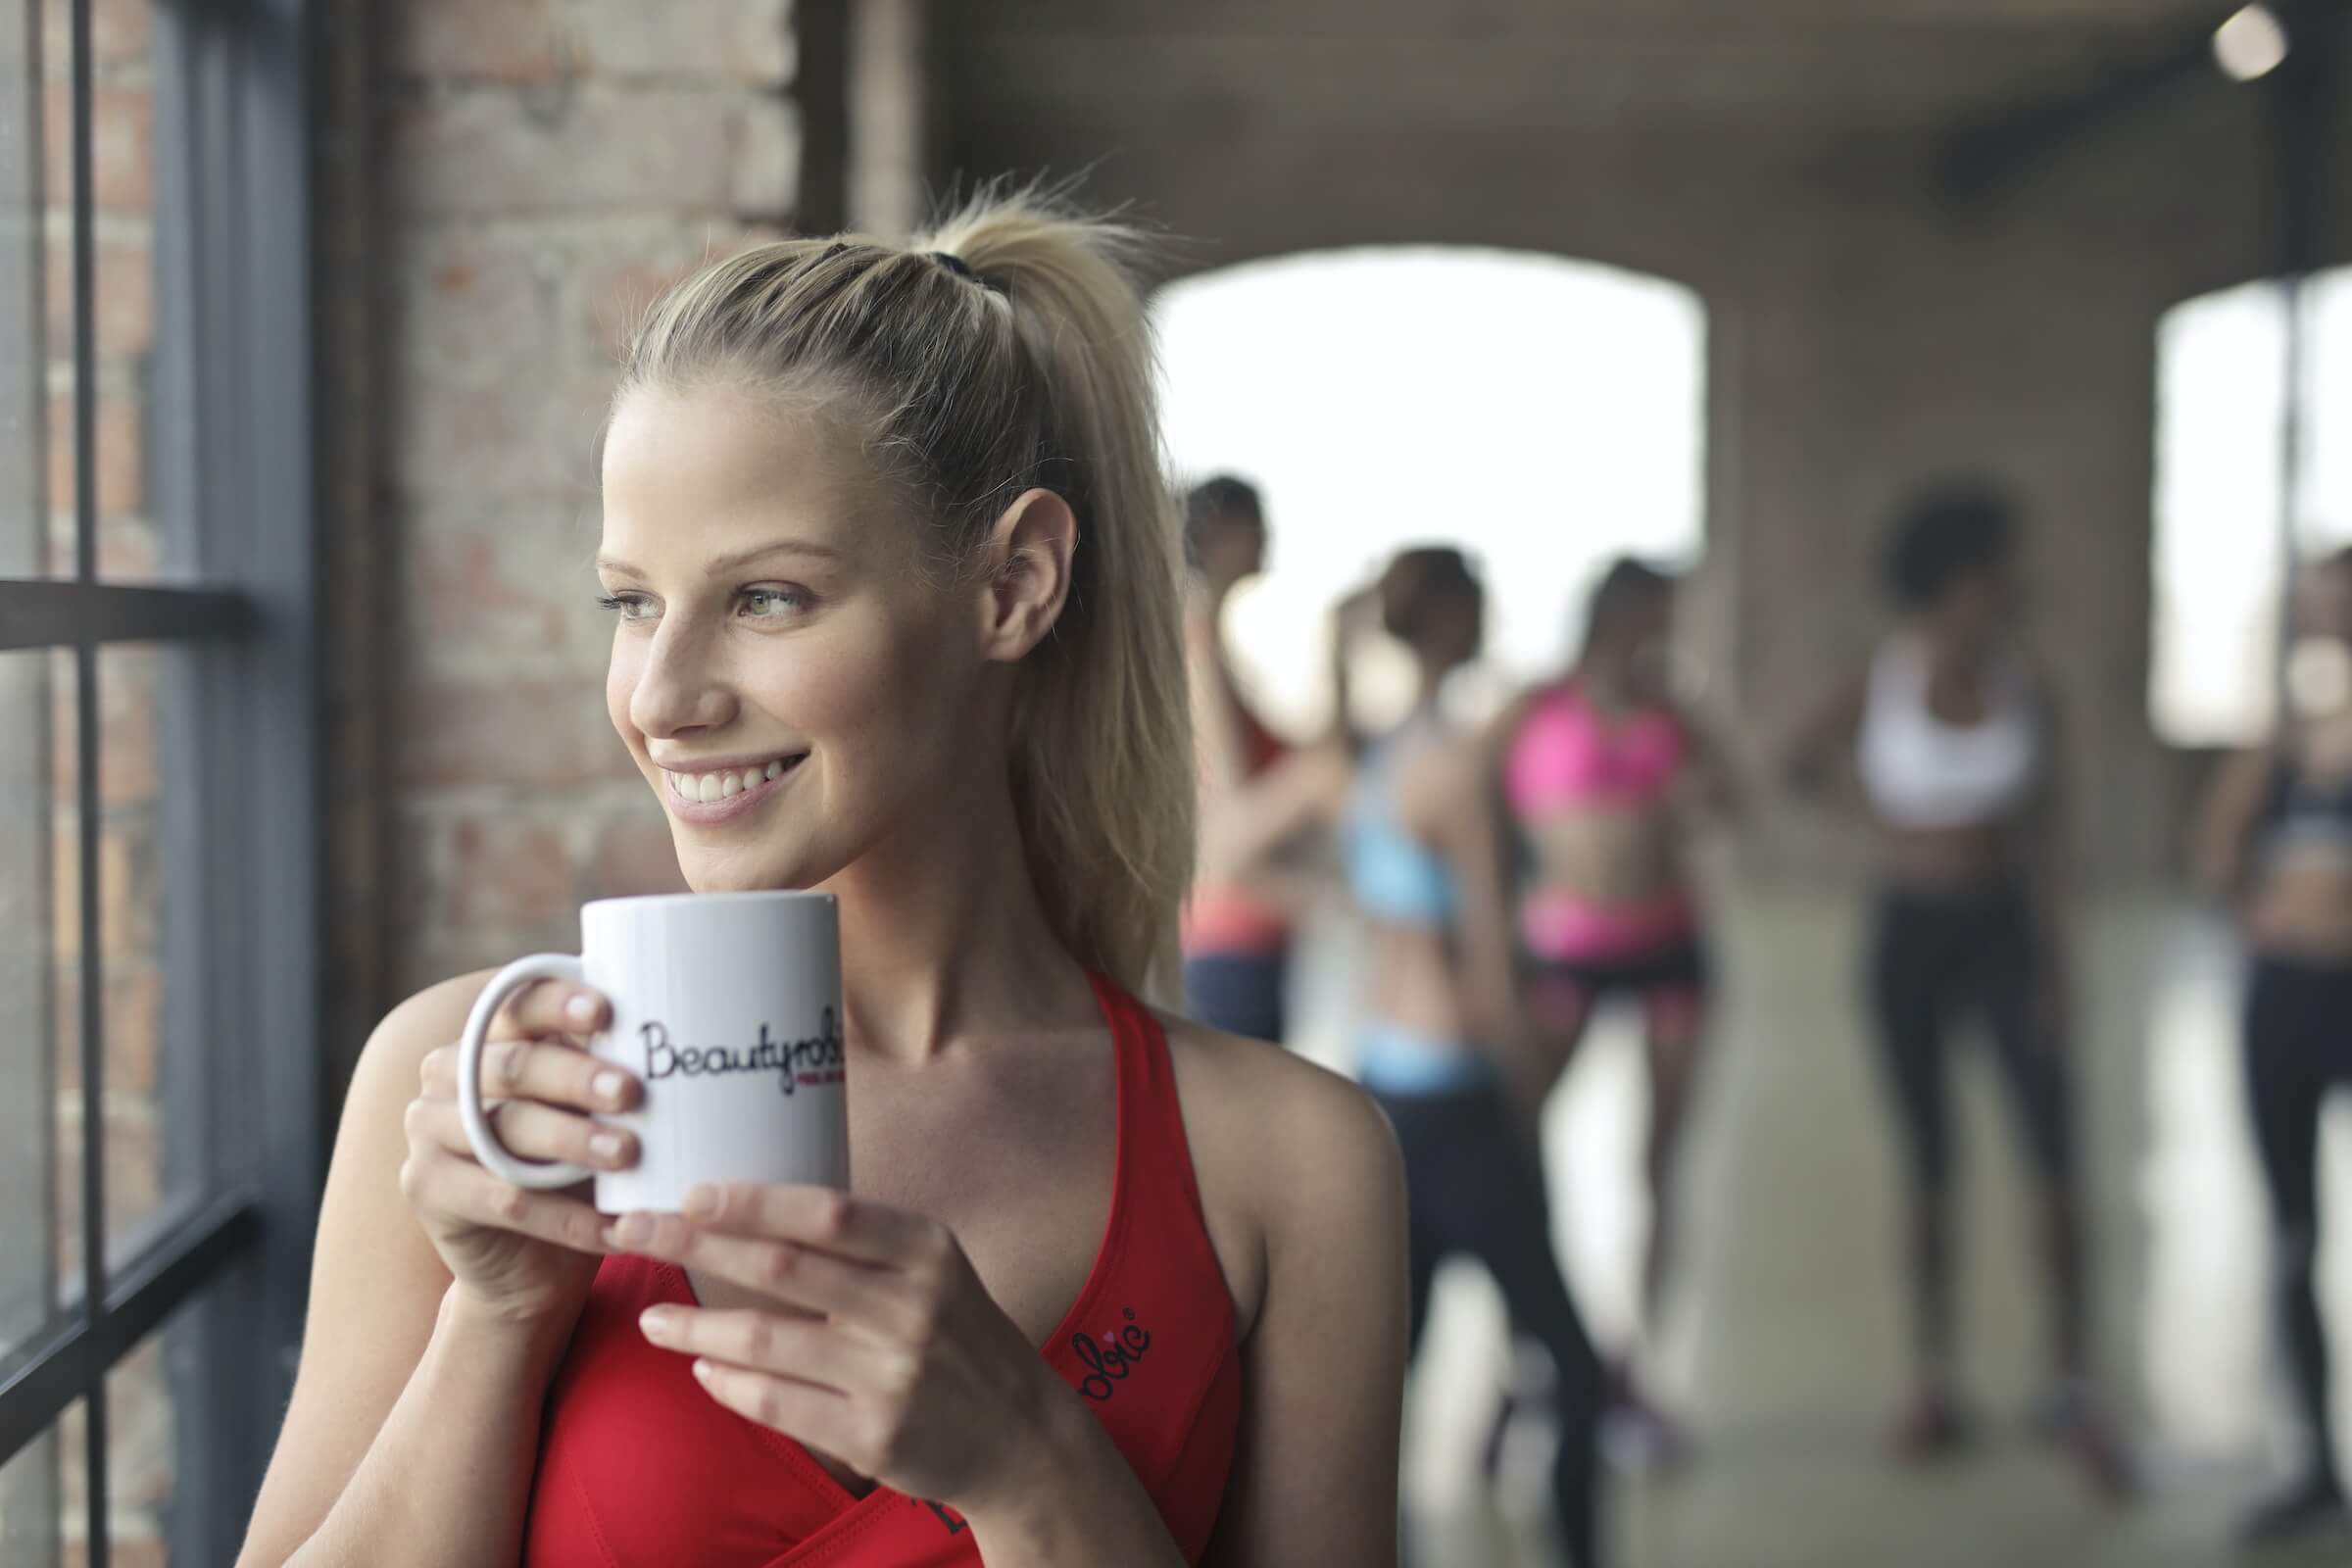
(678, 688)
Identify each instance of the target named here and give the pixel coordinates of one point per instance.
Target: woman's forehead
(712, 471)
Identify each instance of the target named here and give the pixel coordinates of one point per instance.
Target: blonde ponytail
(1009, 348)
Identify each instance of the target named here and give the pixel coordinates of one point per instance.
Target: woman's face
(792, 685)
(1980, 603)
(1458, 626)
(1233, 548)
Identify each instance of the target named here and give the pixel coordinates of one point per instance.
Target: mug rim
(736, 895)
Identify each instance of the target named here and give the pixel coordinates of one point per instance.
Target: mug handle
(478, 1132)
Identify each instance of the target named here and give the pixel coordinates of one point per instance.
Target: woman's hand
(524, 1255)
(1357, 614)
(907, 1371)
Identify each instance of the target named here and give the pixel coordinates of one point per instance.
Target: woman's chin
(709, 871)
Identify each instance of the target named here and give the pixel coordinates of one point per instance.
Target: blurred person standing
(2276, 840)
(1601, 771)
(1256, 794)
(1954, 737)
(1423, 848)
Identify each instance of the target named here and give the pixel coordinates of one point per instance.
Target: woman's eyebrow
(736, 560)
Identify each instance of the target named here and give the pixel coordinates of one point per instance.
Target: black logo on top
(1110, 1361)
(817, 1059)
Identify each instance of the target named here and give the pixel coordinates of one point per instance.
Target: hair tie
(963, 269)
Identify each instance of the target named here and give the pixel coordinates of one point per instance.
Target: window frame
(233, 486)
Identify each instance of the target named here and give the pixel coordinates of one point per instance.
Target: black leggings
(2298, 1047)
(1473, 1187)
(1940, 960)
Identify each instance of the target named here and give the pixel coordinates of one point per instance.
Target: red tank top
(639, 1468)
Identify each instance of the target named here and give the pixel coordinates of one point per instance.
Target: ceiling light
(2250, 44)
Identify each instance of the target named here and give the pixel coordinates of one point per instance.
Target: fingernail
(656, 1321)
(702, 1203)
(632, 1230)
(702, 1371)
(581, 1008)
(609, 1086)
(605, 1145)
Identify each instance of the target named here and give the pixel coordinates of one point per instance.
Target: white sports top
(1921, 772)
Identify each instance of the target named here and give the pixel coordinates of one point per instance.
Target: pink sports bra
(1566, 755)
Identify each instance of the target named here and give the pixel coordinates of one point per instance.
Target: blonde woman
(892, 521)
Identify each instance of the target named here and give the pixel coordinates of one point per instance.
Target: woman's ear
(1027, 579)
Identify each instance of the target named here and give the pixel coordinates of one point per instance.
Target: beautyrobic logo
(820, 1058)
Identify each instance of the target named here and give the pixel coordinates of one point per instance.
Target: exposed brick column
(549, 164)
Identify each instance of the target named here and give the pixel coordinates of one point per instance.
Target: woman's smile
(706, 794)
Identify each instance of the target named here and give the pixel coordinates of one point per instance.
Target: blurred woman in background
(1441, 1027)
(1955, 740)
(1255, 793)
(2277, 840)
(1600, 771)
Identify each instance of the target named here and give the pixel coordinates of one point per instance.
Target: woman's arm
(1216, 737)
(404, 1394)
(1449, 799)
(1718, 791)
(1244, 819)
(1242, 828)
(1824, 739)
(2218, 854)
(2049, 869)
(1315, 1477)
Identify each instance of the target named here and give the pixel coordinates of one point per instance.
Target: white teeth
(719, 786)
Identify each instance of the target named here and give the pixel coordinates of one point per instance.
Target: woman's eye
(769, 603)
(629, 607)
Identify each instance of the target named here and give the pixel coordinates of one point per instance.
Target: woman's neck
(943, 935)
(1431, 686)
(1950, 653)
(1211, 593)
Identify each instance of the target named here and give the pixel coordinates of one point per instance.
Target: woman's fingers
(553, 1007)
(528, 1130)
(821, 1218)
(805, 1350)
(435, 1181)
(536, 1069)
(853, 1294)
(818, 1417)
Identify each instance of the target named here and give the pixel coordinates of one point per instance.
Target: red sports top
(640, 1468)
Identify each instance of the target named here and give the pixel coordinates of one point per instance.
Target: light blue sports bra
(1394, 878)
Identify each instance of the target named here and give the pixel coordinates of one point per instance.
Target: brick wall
(548, 164)
(509, 181)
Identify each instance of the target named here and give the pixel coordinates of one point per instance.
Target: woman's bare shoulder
(427, 1020)
(1281, 1148)
(1249, 1083)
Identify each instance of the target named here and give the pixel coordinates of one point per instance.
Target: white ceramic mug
(727, 1008)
